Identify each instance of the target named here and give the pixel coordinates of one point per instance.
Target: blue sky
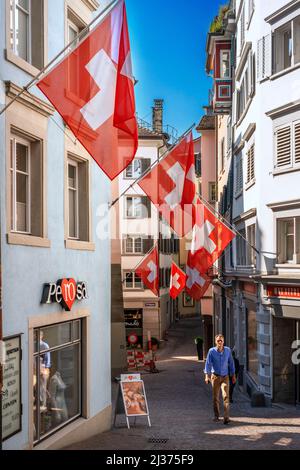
(168, 39)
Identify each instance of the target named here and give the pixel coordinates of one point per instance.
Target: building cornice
(29, 100)
(245, 216)
(93, 5)
(284, 205)
(284, 11)
(249, 132)
(286, 108)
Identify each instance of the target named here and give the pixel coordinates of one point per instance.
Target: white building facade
(57, 376)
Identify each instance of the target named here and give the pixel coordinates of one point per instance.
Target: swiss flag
(210, 237)
(178, 279)
(92, 88)
(196, 282)
(171, 186)
(148, 271)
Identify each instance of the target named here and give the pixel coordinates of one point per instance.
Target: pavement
(181, 412)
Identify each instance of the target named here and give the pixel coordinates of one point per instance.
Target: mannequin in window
(57, 389)
(45, 366)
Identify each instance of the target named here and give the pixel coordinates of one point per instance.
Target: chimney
(157, 116)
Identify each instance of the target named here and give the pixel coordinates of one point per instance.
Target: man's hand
(233, 379)
(207, 380)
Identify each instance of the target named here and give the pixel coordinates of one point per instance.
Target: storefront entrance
(56, 377)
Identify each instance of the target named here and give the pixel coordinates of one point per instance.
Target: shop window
(27, 30)
(78, 200)
(56, 377)
(288, 240)
(26, 186)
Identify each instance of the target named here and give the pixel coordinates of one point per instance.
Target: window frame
(134, 216)
(13, 174)
(134, 238)
(74, 163)
(134, 279)
(222, 53)
(281, 239)
(293, 164)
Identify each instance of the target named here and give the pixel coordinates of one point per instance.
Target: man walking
(219, 365)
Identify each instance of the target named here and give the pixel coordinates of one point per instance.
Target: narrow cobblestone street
(181, 411)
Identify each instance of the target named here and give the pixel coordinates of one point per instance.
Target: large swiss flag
(197, 283)
(210, 238)
(92, 88)
(171, 186)
(148, 271)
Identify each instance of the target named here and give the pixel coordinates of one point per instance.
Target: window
(287, 142)
(243, 27)
(56, 377)
(247, 87)
(251, 253)
(288, 240)
(137, 245)
(264, 57)
(137, 168)
(26, 186)
(225, 64)
(78, 200)
(251, 164)
(286, 46)
(229, 135)
(132, 281)
(74, 27)
(212, 188)
(27, 31)
(241, 248)
(137, 207)
(238, 176)
(222, 166)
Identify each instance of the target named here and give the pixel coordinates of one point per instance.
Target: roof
(207, 123)
(148, 133)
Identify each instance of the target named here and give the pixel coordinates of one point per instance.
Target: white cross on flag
(196, 283)
(148, 271)
(171, 186)
(92, 88)
(210, 237)
(178, 278)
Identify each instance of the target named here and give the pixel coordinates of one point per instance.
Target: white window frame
(134, 205)
(222, 53)
(16, 7)
(13, 174)
(134, 278)
(279, 237)
(134, 238)
(73, 163)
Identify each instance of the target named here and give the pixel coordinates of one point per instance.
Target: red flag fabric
(178, 279)
(148, 271)
(196, 282)
(92, 88)
(210, 237)
(171, 186)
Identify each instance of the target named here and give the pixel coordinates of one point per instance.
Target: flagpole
(153, 165)
(111, 5)
(221, 217)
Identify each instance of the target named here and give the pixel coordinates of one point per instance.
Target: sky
(168, 42)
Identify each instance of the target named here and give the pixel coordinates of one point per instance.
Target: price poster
(11, 399)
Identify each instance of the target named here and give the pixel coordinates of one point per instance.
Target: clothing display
(58, 405)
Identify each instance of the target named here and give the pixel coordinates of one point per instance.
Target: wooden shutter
(36, 188)
(283, 146)
(259, 55)
(264, 58)
(250, 164)
(297, 142)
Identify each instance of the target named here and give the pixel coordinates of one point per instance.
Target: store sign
(133, 339)
(150, 305)
(284, 291)
(11, 398)
(64, 292)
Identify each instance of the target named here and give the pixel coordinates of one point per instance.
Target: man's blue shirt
(220, 363)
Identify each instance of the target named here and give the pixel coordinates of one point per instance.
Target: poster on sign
(134, 400)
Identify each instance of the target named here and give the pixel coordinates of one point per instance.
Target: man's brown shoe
(226, 421)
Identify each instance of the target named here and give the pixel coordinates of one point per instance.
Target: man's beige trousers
(223, 384)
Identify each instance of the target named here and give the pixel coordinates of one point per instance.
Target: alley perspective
(181, 410)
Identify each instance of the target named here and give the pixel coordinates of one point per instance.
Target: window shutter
(251, 66)
(264, 57)
(36, 175)
(250, 164)
(146, 163)
(260, 54)
(297, 142)
(283, 147)
(234, 106)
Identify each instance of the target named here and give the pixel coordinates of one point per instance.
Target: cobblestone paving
(181, 410)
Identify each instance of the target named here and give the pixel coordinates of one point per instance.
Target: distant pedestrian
(219, 364)
(237, 369)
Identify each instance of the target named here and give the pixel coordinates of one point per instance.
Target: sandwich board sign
(132, 400)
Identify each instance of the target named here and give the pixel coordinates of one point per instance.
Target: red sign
(133, 338)
(64, 292)
(284, 291)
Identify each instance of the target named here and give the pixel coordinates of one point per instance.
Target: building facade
(258, 304)
(55, 263)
